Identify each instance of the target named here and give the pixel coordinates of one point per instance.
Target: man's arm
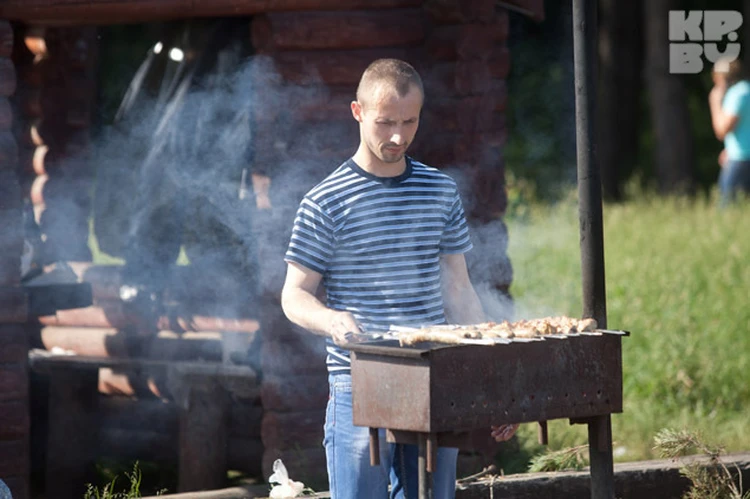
(302, 307)
(462, 305)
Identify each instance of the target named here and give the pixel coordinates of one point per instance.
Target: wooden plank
(7, 77)
(471, 114)
(123, 11)
(467, 41)
(204, 422)
(333, 67)
(337, 30)
(113, 314)
(72, 433)
(111, 342)
(453, 12)
(189, 370)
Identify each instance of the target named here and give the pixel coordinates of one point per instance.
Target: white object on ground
(283, 486)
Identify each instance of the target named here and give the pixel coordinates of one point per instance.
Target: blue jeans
(734, 177)
(350, 475)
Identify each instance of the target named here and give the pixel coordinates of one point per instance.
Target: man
(387, 236)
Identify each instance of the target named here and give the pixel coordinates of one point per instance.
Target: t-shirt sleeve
(735, 100)
(311, 244)
(456, 236)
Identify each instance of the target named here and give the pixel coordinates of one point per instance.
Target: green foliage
(678, 279)
(709, 481)
(143, 479)
(108, 491)
(572, 458)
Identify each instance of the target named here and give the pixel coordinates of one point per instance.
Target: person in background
(386, 235)
(729, 102)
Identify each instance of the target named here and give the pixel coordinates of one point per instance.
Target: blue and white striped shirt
(377, 243)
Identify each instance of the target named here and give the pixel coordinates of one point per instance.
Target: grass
(678, 278)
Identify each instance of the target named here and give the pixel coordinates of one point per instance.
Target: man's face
(388, 122)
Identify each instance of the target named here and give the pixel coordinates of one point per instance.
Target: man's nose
(397, 138)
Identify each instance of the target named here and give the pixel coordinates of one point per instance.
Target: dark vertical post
(424, 476)
(591, 225)
(589, 180)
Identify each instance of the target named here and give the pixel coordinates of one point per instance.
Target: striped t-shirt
(377, 243)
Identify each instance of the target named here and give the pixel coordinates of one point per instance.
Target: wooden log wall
(463, 125)
(14, 380)
(57, 72)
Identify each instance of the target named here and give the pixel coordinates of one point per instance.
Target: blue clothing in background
(737, 103)
(734, 178)
(4, 491)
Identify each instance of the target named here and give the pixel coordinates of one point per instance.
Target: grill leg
(374, 447)
(425, 477)
(600, 455)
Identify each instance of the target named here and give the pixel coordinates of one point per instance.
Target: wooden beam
(110, 342)
(333, 67)
(337, 30)
(125, 11)
(113, 314)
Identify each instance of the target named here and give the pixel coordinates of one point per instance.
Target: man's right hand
(342, 324)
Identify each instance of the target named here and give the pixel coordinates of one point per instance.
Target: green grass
(678, 277)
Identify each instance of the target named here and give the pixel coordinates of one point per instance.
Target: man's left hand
(503, 432)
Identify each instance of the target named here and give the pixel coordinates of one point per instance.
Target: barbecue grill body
(445, 389)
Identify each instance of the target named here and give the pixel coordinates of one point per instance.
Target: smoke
(174, 172)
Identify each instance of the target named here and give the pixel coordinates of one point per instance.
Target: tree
(668, 104)
(619, 91)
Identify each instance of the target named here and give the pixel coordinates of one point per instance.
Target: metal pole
(424, 475)
(589, 181)
(591, 225)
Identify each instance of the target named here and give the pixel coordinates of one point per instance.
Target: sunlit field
(678, 278)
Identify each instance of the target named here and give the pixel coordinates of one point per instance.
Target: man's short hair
(390, 73)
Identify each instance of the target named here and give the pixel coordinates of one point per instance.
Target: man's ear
(357, 110)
